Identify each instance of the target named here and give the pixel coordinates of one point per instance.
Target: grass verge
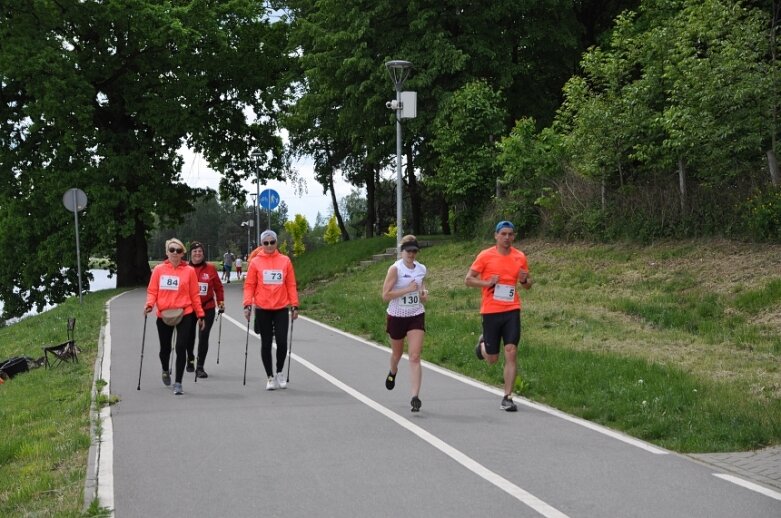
(44, 413)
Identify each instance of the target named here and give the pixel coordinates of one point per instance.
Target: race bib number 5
(272, 276)
(504, 292)
(169, 282)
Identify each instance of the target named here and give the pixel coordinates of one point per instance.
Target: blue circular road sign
(269, 199)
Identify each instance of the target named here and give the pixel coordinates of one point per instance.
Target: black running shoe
(390, 381)
(166, 378)
(508, 405)
(415, 404)
(190, 366)
(200, 373)
(478, 350)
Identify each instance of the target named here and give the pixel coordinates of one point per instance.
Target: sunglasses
(176, 250)
(267, 243)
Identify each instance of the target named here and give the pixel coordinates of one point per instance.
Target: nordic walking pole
(290, 347)
(141, 364)
(173, 349)
(246, 345)
(219, 336)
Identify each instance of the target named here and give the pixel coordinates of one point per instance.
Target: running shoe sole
(390, 381)
(508, 406)
(416, 404)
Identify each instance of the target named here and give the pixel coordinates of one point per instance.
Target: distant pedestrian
(270, 287)
(173, 289)
(238, 265)
(497, 271)
(212, 300)
(405, 292)
(227, 266)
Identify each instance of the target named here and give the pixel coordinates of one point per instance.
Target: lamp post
(249, 225)
(254, 197)
(399, 72)
(256, 155)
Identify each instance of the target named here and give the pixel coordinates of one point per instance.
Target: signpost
(269, 199)
(75, 200)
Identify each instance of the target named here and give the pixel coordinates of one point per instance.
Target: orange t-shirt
(503, 296)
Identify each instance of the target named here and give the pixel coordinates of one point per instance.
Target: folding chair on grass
(64, 352)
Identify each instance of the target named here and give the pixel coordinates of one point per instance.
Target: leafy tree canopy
(100, 95)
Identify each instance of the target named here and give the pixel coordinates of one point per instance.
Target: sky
(197, 173)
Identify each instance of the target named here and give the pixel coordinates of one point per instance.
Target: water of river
(101, 281)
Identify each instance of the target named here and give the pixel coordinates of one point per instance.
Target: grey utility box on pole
(409, 105)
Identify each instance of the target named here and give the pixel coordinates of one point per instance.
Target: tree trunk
(414, 196)
(603, 189)
(444, 216)
(335, 203)
(132, 258)
(682, 186)
(772, 164)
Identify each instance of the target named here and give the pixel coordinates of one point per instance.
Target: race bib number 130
(410, 300)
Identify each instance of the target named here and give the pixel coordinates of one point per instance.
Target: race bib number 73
(272, 276)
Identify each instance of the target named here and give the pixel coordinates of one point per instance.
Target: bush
(762, 215)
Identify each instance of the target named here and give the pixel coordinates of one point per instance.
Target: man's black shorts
(498, 327)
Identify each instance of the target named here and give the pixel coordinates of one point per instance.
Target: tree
(297, 229)
(464, 138)
(332, 233)
(101, 98)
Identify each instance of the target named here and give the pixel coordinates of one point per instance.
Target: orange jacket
(174, 287)
(270, 282)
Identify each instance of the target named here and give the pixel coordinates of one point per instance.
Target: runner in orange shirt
(497, 271)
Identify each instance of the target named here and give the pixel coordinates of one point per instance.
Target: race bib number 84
(169, 282)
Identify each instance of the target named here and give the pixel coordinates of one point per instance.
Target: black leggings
(272, 323)
(183, 331)
(203, 338)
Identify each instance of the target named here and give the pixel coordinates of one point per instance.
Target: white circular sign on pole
(74, 200)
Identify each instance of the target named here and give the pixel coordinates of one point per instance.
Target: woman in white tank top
(405, 291)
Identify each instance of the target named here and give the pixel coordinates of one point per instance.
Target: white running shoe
(271, 384)
(281, 381)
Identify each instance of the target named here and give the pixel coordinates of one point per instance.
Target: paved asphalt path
(337, 443)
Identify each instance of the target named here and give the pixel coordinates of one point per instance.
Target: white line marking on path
(749, 485)
(542, 408)
(472, 465)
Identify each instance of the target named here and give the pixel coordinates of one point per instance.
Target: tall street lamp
(399, 72)
(256, 156)
(254, 197)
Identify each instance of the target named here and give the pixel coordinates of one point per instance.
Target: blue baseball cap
(504, 224)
